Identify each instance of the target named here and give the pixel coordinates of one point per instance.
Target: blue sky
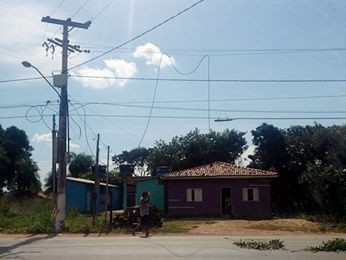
(253, 61)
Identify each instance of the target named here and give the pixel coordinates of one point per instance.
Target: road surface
(157, 247)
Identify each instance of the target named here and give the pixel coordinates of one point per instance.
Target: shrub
(337, 244)
(274, 244)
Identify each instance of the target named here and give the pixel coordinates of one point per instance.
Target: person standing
(144, 204)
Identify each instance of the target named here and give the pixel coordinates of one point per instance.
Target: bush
(338, 244)
(274, 244)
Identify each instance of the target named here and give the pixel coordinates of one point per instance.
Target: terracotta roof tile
(219, 170)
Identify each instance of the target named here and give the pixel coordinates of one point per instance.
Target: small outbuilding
(80, 195)
(156, 189)
(218, 189)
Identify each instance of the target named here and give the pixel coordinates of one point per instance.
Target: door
(226, 201)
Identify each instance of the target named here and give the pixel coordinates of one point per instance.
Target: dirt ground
(259, 227)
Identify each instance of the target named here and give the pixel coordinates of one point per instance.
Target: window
(194, 195)
(250, 194)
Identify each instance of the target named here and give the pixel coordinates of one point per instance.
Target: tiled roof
(219, 170)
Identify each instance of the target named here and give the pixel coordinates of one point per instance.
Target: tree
(19, 173)
(327, 188)
(310, 162)
(137, 157)
(196, 149)
(80, 165)
(270, 151)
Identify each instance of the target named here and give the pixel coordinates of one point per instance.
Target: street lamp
(27, 64)
(60, 198)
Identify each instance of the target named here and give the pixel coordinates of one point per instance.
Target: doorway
(226, 201)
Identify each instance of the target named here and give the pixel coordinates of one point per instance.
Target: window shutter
(245, 194)
(198, 195)
(255, 194)
(188, 195)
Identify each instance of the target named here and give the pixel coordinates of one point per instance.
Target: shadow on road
(6, 250)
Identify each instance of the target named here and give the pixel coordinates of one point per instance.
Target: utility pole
(96, 191)
(97, 176)
(54, 154)
(107, 195)
(61, 82)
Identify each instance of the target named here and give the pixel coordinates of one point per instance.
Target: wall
(156, 190)
(211, 204)
(78, 196)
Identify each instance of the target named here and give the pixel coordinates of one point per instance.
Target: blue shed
(79, 195)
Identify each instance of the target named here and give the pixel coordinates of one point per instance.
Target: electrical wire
(152, 103)
(217, 119)
(219, 80)
(139, 35)
(79, 9)
(102, 10)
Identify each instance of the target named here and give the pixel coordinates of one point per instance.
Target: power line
(152, 103)
(215, 52)
(278, 118)
(216, 119)
(193, 80)
(139, 35)
(151, 106)
(79, 9)
(219, 80)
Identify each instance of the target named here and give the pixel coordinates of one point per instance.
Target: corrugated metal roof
(88, 181)
(219, 170)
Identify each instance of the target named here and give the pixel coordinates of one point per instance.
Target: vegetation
(80, 165)
(33, 216)
(310, 162)
(274, 244)
(18, 172)
(187, 151)
(337, 244)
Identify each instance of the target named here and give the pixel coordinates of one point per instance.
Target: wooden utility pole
(60, 81)
(96, 191)
(54, 155)
(107, 195)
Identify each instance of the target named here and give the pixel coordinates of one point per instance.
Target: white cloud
(44, 138)
(74, 145)
(244, 160)
(104, 78)
(153, 55)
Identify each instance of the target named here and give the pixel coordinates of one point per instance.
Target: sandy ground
(262, 227)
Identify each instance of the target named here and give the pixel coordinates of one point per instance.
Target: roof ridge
(219, 169)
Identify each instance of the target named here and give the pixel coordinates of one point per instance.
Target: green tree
(270, 151)
(80, 165)
(138, 157)
(19, 173)
(327, 188)
(196, 149)
(310, 161)
(271, 154)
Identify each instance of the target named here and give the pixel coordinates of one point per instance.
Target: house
(79, 195)
(218, 189)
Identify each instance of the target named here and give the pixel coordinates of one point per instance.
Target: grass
(33, 216)
(180, 225)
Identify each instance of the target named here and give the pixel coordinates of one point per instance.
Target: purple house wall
(218, 189)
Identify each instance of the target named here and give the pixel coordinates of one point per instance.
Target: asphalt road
(157, 247)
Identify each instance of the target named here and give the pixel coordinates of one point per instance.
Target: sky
(151, 70)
